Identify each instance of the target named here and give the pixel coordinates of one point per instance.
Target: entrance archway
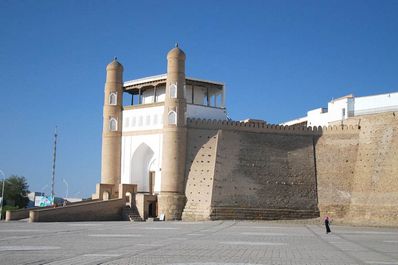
(140, 167)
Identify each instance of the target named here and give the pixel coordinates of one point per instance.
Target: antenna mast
(54, 157)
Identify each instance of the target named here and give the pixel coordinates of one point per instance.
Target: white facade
(142, 138)
(349, 106)
(142, 146)
(141, 154)
(143, 119)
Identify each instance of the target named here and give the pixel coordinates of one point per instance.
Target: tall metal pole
(2, 195)
(54, 157)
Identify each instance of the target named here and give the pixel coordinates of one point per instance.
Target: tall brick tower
(171, 200)
(112, 126)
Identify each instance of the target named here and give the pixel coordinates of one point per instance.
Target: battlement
(268, 128)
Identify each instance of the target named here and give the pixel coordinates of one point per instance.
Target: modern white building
(348, 106)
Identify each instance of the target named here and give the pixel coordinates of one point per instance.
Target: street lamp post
(2, 194)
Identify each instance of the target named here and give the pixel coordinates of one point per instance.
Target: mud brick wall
(336, 157)
(349, 171)
(264, 176)
(375, 185)
(201, 159)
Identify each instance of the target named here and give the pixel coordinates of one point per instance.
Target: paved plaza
(210, 243)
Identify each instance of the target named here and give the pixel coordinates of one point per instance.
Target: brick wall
(201, 159)
(358, 172)
(240, 171)
(264, 176)
(243, 171)
(336, 157)
(375, 184)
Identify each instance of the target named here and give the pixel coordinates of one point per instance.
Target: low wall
(24, 213)
(110, 210)
(20, 213)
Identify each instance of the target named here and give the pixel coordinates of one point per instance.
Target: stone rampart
(200, 164)
(357, 174)
(336, 157)
(375, 185)
(245, 171)
(264, 176)
(262, 171)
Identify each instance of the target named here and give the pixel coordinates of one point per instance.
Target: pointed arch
(112, 124)
(173, 90)
(140, 166)
(172, 117)
(113, 98)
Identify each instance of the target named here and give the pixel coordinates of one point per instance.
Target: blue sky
(279, 59)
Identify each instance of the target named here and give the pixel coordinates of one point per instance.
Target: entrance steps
(131, 214)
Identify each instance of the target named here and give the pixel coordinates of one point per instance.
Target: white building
(349, 106)
(142, 135)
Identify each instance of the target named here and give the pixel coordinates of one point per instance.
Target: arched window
(112, 124)
(173, 90)
(113, 98)
(172, 117)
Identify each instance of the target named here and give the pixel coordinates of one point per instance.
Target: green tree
(15, 191)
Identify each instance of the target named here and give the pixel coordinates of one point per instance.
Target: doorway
(152, 210)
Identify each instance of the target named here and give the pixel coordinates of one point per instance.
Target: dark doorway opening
(152, 210)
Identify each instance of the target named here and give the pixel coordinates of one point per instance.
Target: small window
(112, 124)
(173, 90)
(343, 113)
(172, 117)
(127, 122)
(113, 98)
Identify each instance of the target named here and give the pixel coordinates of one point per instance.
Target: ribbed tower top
(176, 53)
(114, 65)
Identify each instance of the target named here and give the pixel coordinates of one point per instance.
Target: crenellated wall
(253, 127)
(373, 173)
(256, 171)
(240, 171)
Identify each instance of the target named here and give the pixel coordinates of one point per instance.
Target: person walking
(327, 224)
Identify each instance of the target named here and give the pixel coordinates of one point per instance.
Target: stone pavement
(210, 243)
